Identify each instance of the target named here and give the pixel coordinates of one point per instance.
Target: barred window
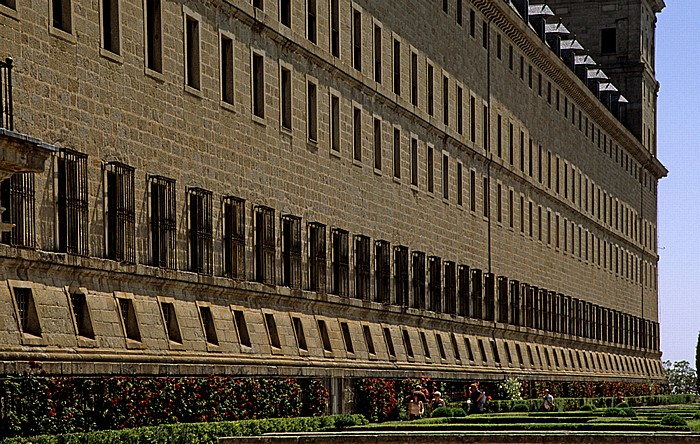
(502, 299)
(162, 221)
(120, 212)
(234, 237)
(17, 197)
(317, 257)
(26, 311)
(418, 270)
(265, 245)
(172, 327)
(382, 272)
(340, 265)
(401, 275)
(435, 284)
(200, 220)
(477, 295)
(291, 251)
(208, 325)
(463, 292)
(362, 267)
(515, 302)
(72, 202)
(450, 288)
(129, 320)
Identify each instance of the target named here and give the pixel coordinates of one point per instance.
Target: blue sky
(678, 71)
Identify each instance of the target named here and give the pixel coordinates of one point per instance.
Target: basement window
(241, 328)
(26, 311)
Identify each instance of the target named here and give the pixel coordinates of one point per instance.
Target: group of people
(418, 401)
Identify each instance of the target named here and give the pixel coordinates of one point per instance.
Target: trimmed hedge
(574, 404)
(200, 433)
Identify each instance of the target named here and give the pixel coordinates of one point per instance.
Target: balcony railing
(6, 111)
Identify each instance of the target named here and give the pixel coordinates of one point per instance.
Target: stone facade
(516, 181)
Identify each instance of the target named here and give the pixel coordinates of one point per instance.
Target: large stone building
(331, 188)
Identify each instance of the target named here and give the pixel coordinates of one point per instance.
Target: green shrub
(458, 412)
(623, 405)
(442, 412)
(345, 421)
(520, 407)
(673, 420)
(618, 412)
(587, 408)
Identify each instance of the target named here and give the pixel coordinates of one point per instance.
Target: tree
(681, 376)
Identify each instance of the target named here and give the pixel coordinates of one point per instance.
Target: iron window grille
(131, 326)
(72, 202)
(200, 230)
(450, 288)
(502, 299)
(382, 273)
(362, 267)
(163, 220)
(341, 263)
(317, 257)
(401, 275)
(477, 295)
(265, 245)
(172, 327)
(514, 298)
(208, 325)
(291, 251)
(435, 284)
(81, 314)
(17, 197)
(234, 237)
(26, 311)
(6, 109)
(120, 212)
(463, 308)
(418, 269)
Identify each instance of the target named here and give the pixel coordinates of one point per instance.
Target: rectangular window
(61, 12)
(418, 272)
(485, 128)
(72, 202)
(397, 67)
(340, 264)
(424, 341)
(362, 267)
(258, 75)
(286, 98)
(200, 230)
(357, 134)
(510, 209)
(397, 153)
(312, 112)
(445, 176)
(460, 192)
(472, 190)
(163, 223)
(317, 257)
(226, 69)
(120, 213)
(499, 205)
(472, 119)
(335, 27)
(468, 346)
(258, 4)
(430, 86)
(129, 320)
(498, 46)
(445, 100)
(487, 197)
(485, 34)
(414, 162)
(286, 13)
(311, 20)
(472, 23)
(377, 35)
(291, 251)
(450, 286)
(154, 42)
(441, 346)
(377, 145)
(172, 328)
(460, 111)
(414, 79)
(401, 275)
(265, 245)
(335, 123)
(298, 327)
(234, 237)
(110, 25)
(357, 40)
(434, 284)
(608, 41)
(430, 168)
(81, 315)
(17, 197)
(382, 271)
(499, 136)
(192, 63)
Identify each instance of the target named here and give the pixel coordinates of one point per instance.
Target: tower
(620, 36)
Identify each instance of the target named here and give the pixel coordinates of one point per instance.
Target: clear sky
(678, 71)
